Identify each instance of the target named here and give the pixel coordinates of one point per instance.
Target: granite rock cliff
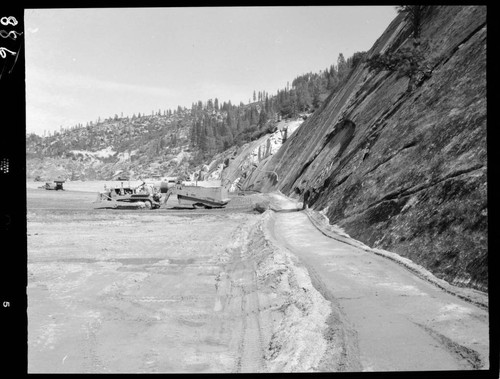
(403, 170)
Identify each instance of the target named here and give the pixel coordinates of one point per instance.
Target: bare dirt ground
(124, 291)
(226, 290)
(167, 290)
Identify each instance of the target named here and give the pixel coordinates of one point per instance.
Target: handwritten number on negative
(8, 21)
(8, 34)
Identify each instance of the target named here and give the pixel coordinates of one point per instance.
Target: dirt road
(392, 320)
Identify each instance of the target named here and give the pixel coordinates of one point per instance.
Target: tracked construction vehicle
(58, 185)
(142, 196)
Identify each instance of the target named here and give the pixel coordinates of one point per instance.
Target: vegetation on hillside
(203, 131)
(217, 127)
(409, 61)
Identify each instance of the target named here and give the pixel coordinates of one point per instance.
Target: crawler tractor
(58, 185)
(144, 195)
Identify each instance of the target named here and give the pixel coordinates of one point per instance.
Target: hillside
(180, 142)
(136, 146)
(154, 146)
(398, 165)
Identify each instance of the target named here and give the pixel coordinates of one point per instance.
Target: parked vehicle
(57, 185)
(143, 193)
(153, 197)
(196, 196)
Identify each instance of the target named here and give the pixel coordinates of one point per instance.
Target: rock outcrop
(237, 165)
(404, 170)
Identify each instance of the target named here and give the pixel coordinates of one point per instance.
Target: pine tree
(316, 99)
(342, 67)
(414, 14)
(262, 118)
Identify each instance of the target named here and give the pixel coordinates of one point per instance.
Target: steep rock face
(404, 171)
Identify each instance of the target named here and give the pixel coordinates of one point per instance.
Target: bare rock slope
(404, 170)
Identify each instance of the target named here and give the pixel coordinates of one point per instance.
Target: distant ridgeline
(197, 134)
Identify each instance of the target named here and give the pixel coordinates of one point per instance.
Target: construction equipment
(149, 195)
(143, 194)
(194, 195)
(58, 185)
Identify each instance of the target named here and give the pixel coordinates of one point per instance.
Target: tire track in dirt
(91, 361)
(242, 305)
(468, 357)
(278, 319)
(250, 349)
(343, 348)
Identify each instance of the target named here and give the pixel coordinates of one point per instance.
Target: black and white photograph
(255, 189)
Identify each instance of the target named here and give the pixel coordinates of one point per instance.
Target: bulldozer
(58, 185)
(142, 195)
